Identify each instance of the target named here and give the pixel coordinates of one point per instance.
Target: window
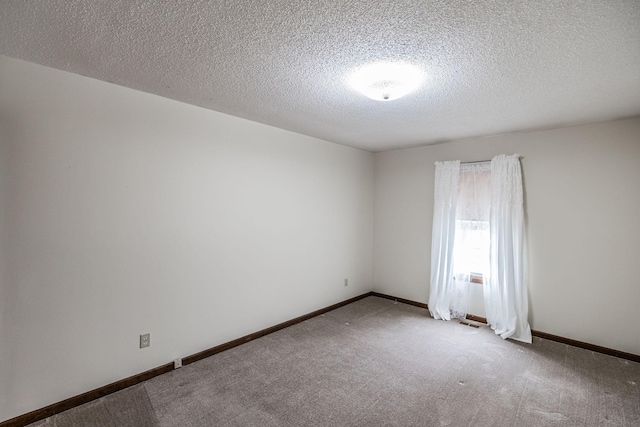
(472, 235)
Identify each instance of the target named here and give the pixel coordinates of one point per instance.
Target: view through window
(472, 236)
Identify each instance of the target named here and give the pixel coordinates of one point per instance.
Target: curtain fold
(505, 295)
(443, 237)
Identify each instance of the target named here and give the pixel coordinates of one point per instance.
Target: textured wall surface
(581, 205)
(125, 213)
(493, 66)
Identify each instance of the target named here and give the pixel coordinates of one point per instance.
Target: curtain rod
(472, 163)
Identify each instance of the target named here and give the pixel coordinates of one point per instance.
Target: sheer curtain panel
(505, 296)
(443, 237)
(471, 246)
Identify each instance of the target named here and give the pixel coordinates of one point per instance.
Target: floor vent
(469, 324)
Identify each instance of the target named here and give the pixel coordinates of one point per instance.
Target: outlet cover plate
(145, 340)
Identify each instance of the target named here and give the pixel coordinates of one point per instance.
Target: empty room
(319, 213)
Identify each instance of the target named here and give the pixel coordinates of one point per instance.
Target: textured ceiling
(494, 66)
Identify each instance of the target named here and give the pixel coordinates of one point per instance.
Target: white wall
(4, 353)
(128, 213)
(582, 187)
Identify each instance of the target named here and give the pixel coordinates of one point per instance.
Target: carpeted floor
(380, 363)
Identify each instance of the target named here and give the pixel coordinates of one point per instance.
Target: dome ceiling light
(386, 81)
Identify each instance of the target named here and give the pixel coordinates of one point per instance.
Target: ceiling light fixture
(386, 81)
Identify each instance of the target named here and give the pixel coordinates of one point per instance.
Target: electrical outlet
(145, 340)
(177, 363)
(346, 282)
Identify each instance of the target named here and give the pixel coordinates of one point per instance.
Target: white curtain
(443, 237)
(472, 203)
(505, 296)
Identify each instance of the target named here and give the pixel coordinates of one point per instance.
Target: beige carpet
(380, 363)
